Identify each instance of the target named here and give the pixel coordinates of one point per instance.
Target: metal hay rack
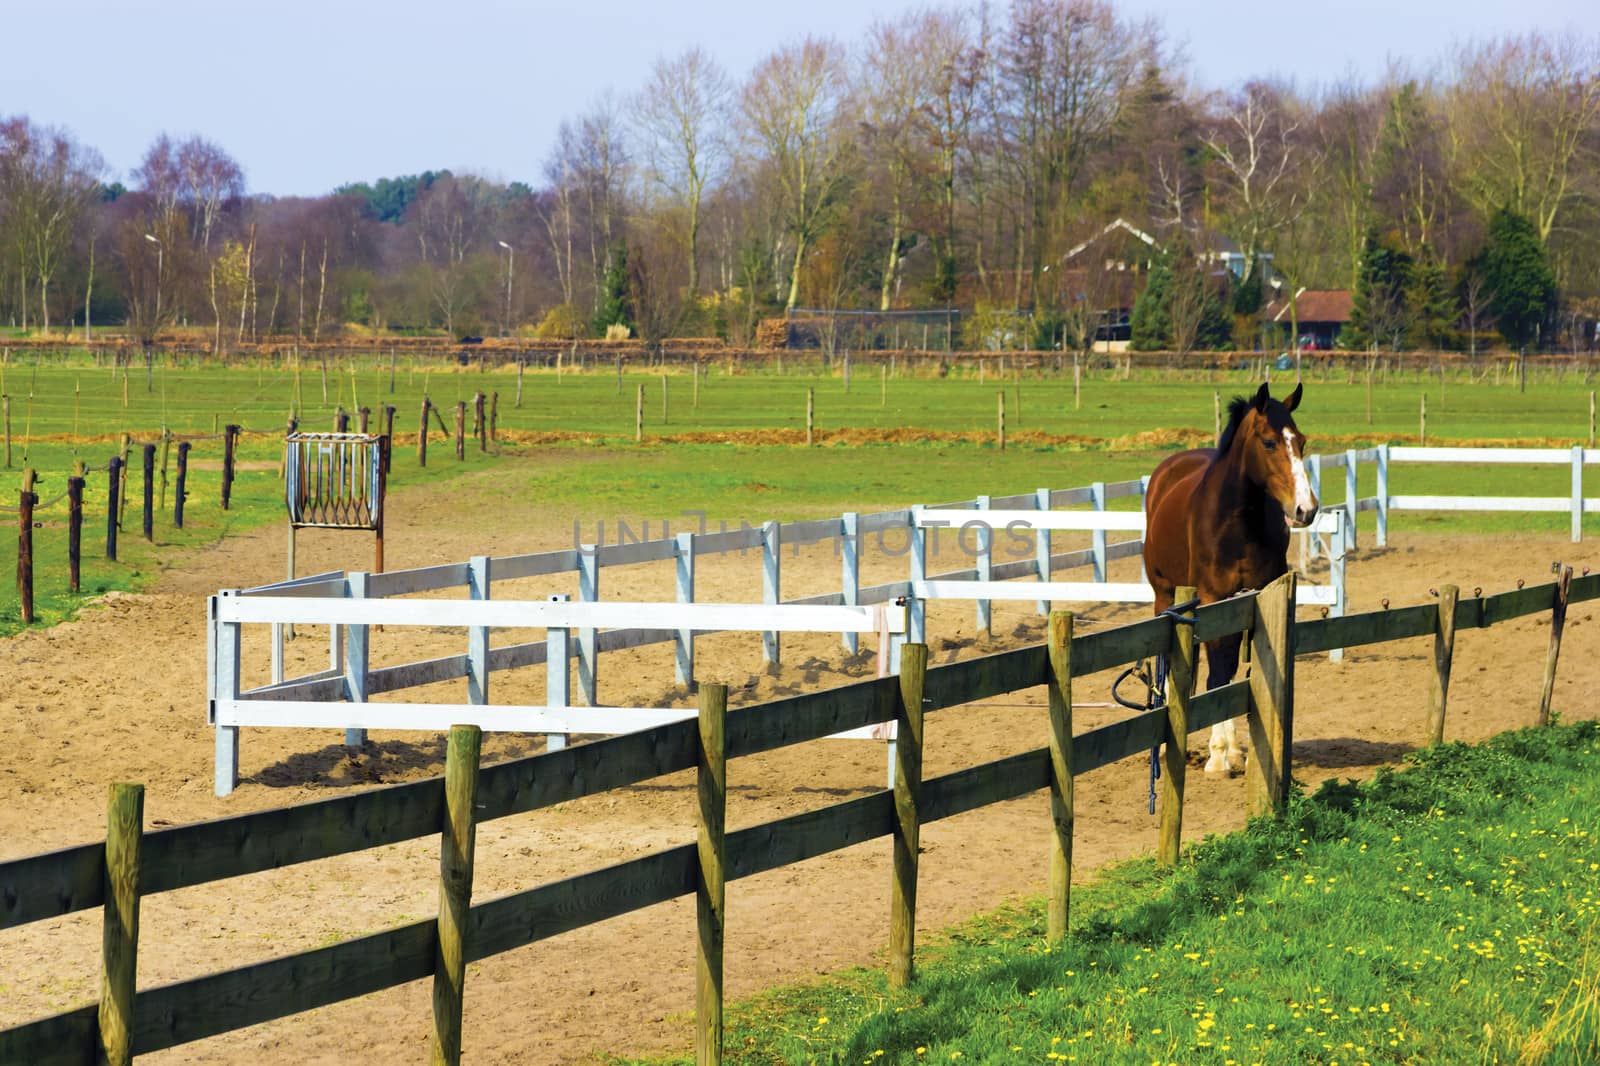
(335, 481)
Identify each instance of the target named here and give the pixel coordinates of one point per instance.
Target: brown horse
(1219, 518)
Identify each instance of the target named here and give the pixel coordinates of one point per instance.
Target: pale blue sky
(307, 96)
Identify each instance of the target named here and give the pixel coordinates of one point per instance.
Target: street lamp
(511, 260)
(155, 324)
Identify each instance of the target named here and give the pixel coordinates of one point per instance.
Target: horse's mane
(1238, 407)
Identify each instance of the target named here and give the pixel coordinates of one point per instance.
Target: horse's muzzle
(1304, 516)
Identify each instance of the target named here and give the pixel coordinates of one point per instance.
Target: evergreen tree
(1432, 305)
(1516, 269)
(1150, 328)
(616, 296)
(1379, 309)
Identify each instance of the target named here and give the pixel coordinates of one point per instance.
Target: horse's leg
(1222, 659)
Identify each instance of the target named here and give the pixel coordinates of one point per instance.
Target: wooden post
(1077, 382)
(664, 418)
(1422, 428)
(494, 417)
(811, 413)
(122, 501)
(1061, 802)
(391, 371)
(181, 490)
(1558, 622)
(1181, 670)
(711, 784)
(149, 451)
(388, 434)
(461, 429)
(166, 452)
(229, 444)
(519, 381)
(456, 846)
(74, 530)
(638, 414)
(364, 414)
(1271, 698)
(422, 433)
(113, 488)
(26, 502)
(907, 814)
(1000, 420)
(1444, 650)
(119, 942)
(341, 420)
(480, 420)
(1216, 414)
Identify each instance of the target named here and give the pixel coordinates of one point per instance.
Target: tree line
(968, 157)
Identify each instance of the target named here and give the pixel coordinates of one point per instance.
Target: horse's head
(1272, 451)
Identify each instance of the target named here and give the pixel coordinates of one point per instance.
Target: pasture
(118, 693)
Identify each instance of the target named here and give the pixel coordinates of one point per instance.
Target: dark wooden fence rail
(72, 879)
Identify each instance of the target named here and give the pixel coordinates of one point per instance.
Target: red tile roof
(1316, 305)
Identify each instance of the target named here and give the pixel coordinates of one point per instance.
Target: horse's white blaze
(1304, 502)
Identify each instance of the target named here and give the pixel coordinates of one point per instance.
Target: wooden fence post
(74, 530)
(388, 433)
(1444, 650)
(1000, 421)
(120, 926)
(364, 414)
(1061, 801)
(181, 492)
(422, 434)
(461, 429)
(166, 452)
(638, 414)
(229, 445)
(1271, 698)
(811, 413)
(494, 417)
(711, 910)
(455, 890)
(480, 419)
(907, 814)
(149, 516)
(1175, 756)
(1558, 622)
(26, 501)
(113, 478)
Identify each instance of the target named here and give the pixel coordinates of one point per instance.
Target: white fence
(341, 701)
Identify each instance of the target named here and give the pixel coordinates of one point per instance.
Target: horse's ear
(1293, 400)
(1261, 398)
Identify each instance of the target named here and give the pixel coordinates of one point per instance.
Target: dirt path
(118, 695)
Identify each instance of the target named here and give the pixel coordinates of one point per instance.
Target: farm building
(1321, 313)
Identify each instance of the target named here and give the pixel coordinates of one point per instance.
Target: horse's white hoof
(1218, 764)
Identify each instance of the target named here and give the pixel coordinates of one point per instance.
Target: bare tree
(1524, 113)
(680, 113)
(47, 183)
(1256, 152)
(794, 107)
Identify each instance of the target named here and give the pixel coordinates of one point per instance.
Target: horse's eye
(1270, 444)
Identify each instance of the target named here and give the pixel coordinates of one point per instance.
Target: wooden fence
(129, 865)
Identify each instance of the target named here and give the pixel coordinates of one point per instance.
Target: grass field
(1446, 914)
(61, 413)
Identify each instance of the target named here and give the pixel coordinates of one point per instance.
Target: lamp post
(511, 261)
(155, 324)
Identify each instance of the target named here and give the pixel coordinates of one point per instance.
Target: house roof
(1314, 305)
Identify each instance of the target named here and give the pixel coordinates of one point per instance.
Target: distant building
(1322, 313)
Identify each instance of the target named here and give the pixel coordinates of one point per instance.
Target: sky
(309, 96)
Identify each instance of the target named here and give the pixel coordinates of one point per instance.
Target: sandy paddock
(118, 696)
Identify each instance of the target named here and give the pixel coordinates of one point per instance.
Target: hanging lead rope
(1155, 681)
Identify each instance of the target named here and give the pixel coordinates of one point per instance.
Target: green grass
(73, 410)
(1445, 914)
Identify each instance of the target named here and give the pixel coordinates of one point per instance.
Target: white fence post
(1577, 493)
(357, 657)
(588, 650)
(1144, 493)
(1383, 495)
(478, 588)
(1098, 537)
(557, 673)
(685, 638)
(1314, 472)
(850, 556)
(1336, 579)
(985, 562)
(771, 585)
(225, 685)
(1350, 497)
(1041, 547)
